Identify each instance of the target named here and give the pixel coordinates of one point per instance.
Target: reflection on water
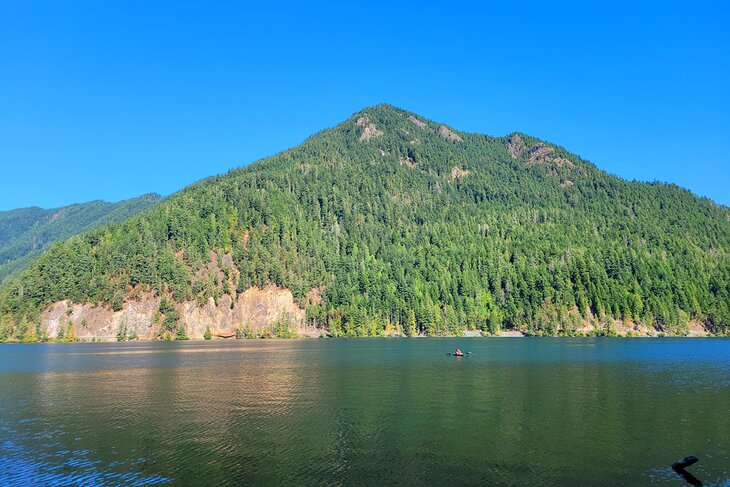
(312, 412)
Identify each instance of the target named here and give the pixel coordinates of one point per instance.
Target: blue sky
(108, 101)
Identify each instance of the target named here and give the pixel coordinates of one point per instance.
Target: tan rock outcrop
(101, 322)
(369, 132)
(416, 121)
(457, 173)
(447, 134)
(515, 145)
(256, 309)
(541, 154)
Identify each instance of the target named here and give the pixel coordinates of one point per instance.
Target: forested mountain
(391, 221)
(26, 232)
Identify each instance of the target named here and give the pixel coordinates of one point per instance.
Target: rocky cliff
(255, 310)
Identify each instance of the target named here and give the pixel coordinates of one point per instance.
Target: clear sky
(105, 100)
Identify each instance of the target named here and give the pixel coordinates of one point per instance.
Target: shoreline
(470, 334)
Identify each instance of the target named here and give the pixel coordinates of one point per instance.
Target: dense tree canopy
(26, 232)
(415, 227)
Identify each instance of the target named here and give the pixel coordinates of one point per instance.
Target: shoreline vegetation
(168, 323)
(278, 332)
(395, 337)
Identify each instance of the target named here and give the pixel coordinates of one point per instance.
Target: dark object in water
(685, 462)
(679, 467)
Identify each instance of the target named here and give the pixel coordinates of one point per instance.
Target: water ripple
(364, 412)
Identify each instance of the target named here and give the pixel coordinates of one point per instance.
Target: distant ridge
(26, 232)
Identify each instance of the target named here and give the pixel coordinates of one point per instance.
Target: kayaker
(459, 353)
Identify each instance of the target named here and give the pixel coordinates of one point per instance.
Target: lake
(517, 411)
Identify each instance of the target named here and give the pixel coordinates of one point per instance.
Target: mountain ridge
(26, 232)
(405, 225)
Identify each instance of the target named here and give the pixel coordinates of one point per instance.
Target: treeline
(395, 238)
(26, 232)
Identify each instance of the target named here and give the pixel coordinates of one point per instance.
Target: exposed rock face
(458, 173)
(537, 154)
(102, 323)
(447, 134)
(416, 121)
(562, 161)
(369, 132)
(314, 296)
(540, 154)
(362, 121)
(515, 146)
(255, 309)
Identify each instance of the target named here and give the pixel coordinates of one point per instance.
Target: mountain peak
(386, 120)
(381, 111)
(381, 107)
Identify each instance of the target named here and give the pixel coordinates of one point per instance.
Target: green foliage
(166, 307)
(30, 335)
(122, 332)
(168, 317)
(66, 332)
(181, 333)
(71, 333)
(396, 239)
(245, 332)
(24, 233)
(171, 316)
(6, 327)
(61, 335)
(118, 302)
(207, 335)
(410, 327)
(604, 331)
(284, 327)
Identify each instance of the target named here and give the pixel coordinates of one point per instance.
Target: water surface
(365, 411)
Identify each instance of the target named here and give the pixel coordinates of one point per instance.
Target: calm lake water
(366, 412)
